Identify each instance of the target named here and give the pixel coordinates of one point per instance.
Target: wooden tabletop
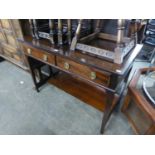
(83, 58)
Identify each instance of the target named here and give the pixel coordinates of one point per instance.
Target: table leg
(42, 77)
(111, 102)
(32, 74)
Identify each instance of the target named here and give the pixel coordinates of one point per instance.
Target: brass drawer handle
(29, 51)
(92, 75)
(66, 65)
(45, 57)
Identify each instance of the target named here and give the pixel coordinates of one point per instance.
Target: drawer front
(92, 74)
(39, 54)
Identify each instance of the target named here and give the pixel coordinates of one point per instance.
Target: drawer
(39, 54)
(89, 73)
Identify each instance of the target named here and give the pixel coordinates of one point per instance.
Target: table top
(78, 56)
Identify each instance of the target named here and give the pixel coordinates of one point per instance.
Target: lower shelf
(80, 89)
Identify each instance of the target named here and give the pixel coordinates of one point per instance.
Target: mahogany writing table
(96, 77)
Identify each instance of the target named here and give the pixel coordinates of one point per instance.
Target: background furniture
(10, 48)
(58, 31)
(137, 107)
(149, 39)
(112, 47)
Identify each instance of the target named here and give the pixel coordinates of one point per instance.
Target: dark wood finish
(96, 74)
(80, 89)
(39, 78)
(10, 30)
(112, 100)
(95, 43)
(89, 73)
(139, 111)
(82, 58)
(39, 54)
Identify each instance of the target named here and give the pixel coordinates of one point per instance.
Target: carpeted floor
(52, 111)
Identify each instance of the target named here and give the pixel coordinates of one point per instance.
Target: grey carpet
(52, 111)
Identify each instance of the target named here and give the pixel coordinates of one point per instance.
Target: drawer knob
(29, 51)
(66, 65)
(93, 75)
(45, 58)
